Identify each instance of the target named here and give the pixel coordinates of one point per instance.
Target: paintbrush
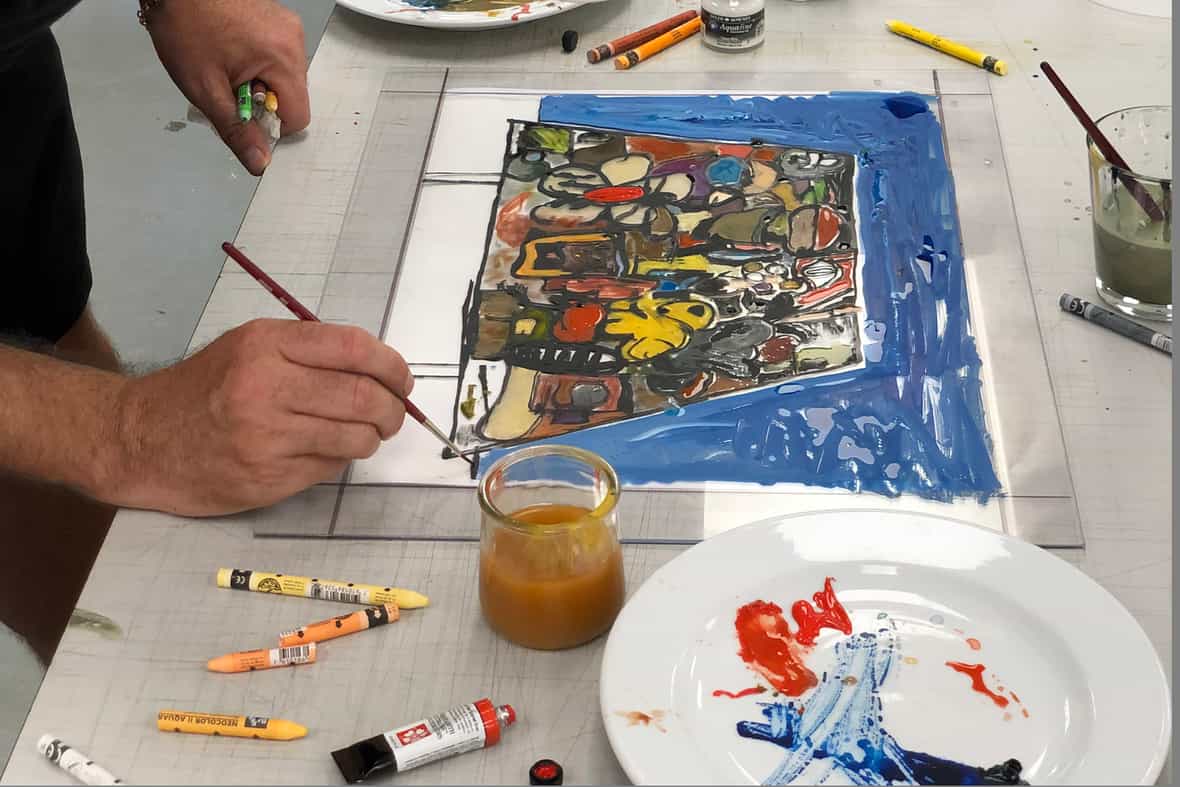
(1122, 169)
(303, 313)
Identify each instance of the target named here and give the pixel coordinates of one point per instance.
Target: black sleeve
(45, 274)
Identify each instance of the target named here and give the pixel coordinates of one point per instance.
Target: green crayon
(245, 103)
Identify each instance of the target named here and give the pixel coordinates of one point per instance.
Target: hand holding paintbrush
(303, 313)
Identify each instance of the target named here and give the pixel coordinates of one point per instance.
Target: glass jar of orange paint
(550, 564)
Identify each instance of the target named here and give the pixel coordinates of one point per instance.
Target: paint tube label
(457, 731)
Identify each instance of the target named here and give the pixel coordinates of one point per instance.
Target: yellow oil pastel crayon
(340, 626)
(986, 62)
(261, 727)
(310, 587)
(251, 660)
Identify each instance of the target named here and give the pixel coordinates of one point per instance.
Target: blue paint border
(912, 419)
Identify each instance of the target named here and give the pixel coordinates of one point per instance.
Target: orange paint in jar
(551, 573)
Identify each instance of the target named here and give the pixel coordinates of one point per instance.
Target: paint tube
(465, 728)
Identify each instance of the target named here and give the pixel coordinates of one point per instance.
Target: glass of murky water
(1133, 212)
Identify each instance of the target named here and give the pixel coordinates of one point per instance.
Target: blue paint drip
(838, 728)
(922, 389)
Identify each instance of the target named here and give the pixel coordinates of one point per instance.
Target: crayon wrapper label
(457, 731)
(256, 722)
(329, 592)
(299, 654)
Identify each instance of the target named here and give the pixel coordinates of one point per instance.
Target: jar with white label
(733, 25)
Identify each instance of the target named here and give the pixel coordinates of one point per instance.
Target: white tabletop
(154, 576)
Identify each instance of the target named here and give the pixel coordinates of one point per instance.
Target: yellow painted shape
(687, 222)
(689, 262)
(786, 193)
(524, 327)
(657, 325)
(510, 417)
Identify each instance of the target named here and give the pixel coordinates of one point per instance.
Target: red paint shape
(769, 649)
(827, 227)
(973, 643)
(738, 695)
(1024, 711)
(830, 615)
(577, 323)
(1013, 695)
(975, 672)
(512, 225)
(610, 195)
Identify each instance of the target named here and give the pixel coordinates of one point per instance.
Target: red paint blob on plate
(975, 672)
(769, 649)
(973, 643)
(831, 614)
(738, 694)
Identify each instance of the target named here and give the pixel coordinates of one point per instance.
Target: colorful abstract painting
(718, 289)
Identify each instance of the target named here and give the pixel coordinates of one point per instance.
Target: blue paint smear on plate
(839, 729)
(912, 420)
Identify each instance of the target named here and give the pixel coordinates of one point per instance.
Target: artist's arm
(265, 411)
(209, 47)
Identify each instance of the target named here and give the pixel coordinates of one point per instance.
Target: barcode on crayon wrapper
(337, 593)
(297, 654)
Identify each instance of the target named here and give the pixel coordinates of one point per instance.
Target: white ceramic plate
(460, 14)
(1084, 697)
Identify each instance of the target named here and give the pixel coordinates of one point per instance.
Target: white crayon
(74, 762)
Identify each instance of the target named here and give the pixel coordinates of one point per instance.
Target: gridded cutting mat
(387, 255)
(157, 582)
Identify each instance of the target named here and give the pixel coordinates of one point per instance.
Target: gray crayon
(1115, 322)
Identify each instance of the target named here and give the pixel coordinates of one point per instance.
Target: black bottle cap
(569, 41)
(546, 772)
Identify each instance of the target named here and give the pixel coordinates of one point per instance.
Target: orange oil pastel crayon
(264, 659)
(340, 626)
